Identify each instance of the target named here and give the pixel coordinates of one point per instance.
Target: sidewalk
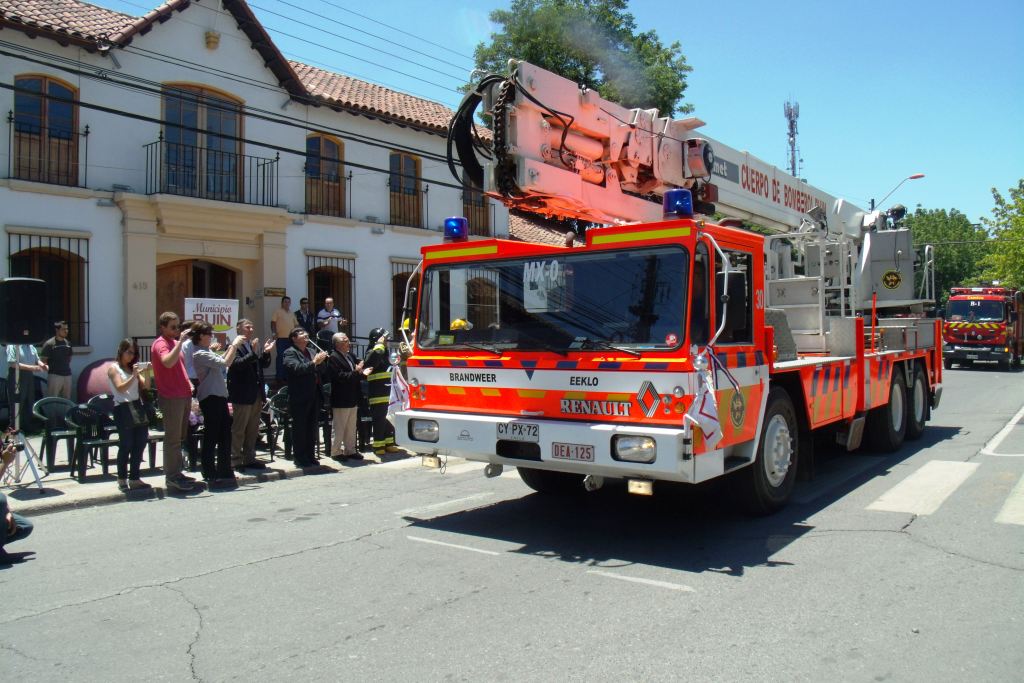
(63, 492)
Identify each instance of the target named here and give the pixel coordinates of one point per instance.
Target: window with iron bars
(404, 183)
(325, 176)
(63, 263)
(477, 210)
(401, 271)
(333, 276)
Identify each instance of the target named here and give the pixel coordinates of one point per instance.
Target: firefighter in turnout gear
(378, 373)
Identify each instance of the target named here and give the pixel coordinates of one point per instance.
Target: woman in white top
(126, 379)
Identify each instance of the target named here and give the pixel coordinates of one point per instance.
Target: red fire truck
(983, 324)
(670, 346)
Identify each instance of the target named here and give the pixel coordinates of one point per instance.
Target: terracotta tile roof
(79, 22)
(370, 98)
(527, 228)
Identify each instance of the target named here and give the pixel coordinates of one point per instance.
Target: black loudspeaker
(24, 318)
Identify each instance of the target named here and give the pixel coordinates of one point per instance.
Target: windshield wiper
(479, 347)
(584, 342)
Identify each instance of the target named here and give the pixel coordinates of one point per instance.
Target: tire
(887, 425)
(1006, 363)
(765, 486)
(947, 363)
(551, 483)
(1016, 362)
(917, 404)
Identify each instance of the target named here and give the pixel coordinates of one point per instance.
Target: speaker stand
(14, 475)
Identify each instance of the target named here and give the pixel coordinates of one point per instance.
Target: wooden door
(173, 284)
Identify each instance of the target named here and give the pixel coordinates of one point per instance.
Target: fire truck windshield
(974, 310)
(578, 300)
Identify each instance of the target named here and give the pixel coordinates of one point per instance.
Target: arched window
(45, 125)
(201, 149)
(334, 277)
(325, 176)
(63, 263)
(404, 182)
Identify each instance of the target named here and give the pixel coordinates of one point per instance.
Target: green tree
(594, 43)
(1005, 263)
(959, 246)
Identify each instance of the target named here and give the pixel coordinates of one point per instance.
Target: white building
(180, 154)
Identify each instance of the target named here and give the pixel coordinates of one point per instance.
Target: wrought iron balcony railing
(47, 154)
(207, 173)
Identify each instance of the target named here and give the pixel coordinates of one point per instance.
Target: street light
(909, 177)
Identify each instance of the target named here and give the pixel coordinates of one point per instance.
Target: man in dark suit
(246, 395)
(304, 372)
(306, 317)
(346, 376)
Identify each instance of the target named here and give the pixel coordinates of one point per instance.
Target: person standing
(188, 350)
(304, 372)
(328, 320)
(305, 317)
(56, 353)
(377, 368)
(175, 391)
(246, 395)
(212, 393)
(346, 378)
(281, 324)
(23, 362)
(126, 379)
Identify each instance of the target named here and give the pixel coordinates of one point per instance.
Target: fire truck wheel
(947, 363)
(546, 481)
(887, 425)
(766, 485)
(917, 404)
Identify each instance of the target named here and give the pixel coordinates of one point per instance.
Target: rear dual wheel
(917, 404)
(887, 425)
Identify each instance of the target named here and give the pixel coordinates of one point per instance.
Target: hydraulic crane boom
(561, 150)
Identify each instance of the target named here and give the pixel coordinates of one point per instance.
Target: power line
(372, 35)
(311, 61)
(393, 28)
(361, 59)
(356, 42)
(156, 90)
(234, 138)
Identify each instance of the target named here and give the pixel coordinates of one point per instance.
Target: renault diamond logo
(648, 399)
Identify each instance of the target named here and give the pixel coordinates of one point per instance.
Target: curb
(159, 492)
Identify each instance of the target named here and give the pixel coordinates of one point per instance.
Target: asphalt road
(905, 567)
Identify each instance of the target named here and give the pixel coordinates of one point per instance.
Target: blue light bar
(677, 203)
(456, 229)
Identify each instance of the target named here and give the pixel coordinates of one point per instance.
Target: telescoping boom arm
(561, 150)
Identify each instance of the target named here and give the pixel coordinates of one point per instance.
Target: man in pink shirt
(175, 393)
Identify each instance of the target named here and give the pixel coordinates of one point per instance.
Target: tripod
(15, 474)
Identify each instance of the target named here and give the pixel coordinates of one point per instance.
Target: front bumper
(475, 437)
(956, 352)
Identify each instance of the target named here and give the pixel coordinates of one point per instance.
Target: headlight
(633, 448)
(423, 430)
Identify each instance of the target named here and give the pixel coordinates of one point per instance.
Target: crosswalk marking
(925, 490)
(1012, 511)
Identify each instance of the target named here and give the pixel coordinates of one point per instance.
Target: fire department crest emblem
(892, 279)
(737, 409)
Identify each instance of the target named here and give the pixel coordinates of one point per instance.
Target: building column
(139, 257)
(272, 273)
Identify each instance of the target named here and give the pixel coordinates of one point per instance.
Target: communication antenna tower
(792, 110)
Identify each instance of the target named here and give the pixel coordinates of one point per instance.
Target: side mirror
(1013, 316)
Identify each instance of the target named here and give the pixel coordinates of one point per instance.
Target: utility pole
(792, 110)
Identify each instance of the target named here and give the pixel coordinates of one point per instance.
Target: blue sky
(886, 88)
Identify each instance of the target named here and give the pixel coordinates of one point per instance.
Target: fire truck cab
(983, 324)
